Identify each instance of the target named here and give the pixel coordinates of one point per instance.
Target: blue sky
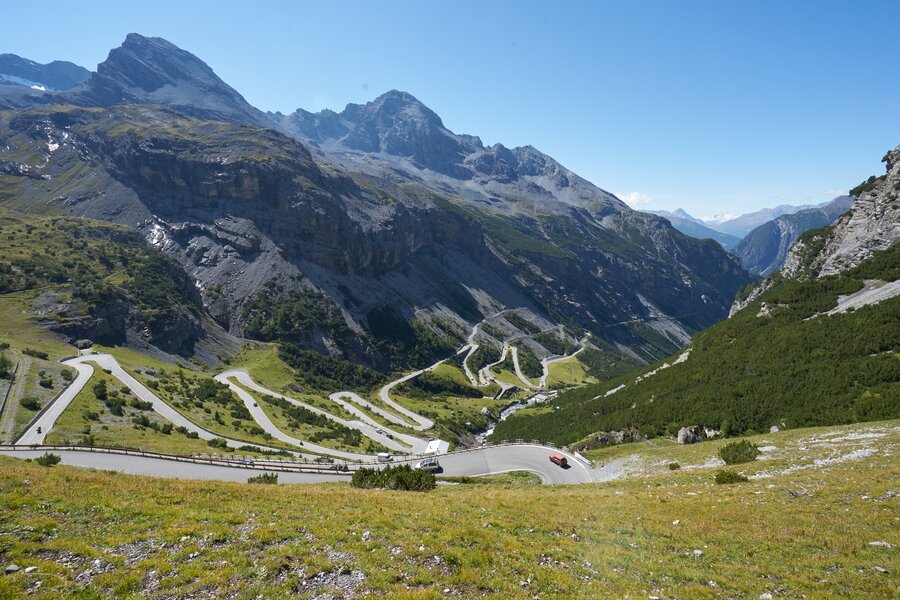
(717, 107)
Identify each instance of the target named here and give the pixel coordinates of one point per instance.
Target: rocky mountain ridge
(54, 76)
(431, 238)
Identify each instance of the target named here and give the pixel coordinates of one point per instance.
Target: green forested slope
(751, 372)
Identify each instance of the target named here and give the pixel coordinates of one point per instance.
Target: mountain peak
(395, 105)
(152, 70)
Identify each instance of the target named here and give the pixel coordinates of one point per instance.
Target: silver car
(430, 464)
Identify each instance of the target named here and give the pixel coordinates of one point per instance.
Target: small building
(83, 344)
(436, 447)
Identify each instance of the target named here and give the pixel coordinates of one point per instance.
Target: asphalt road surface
(492, 460)
(49, 417)
(157, 467)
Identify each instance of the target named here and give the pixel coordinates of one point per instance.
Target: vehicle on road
(246, 462)
(384, 457)
(559, 459)
(39, 430)
(379, 431)
(429, 464)
(255, 405)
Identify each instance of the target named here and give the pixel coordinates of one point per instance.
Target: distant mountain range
(759, 239)
(741, 225)
(694, 227)
(54, 76)
(763, 250)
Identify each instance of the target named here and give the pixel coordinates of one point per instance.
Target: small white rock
(698, 552)
(366, 536)
(765, 596)
(676, 521)
(30, 569)
(882, 544)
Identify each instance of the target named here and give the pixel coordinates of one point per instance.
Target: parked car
(384, 457)
(429, 464)
(559, 459)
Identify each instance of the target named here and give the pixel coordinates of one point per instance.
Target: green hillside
(827, 533)
(751, 372)
(86, 278)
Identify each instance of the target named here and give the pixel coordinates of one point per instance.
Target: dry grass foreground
(822, 533)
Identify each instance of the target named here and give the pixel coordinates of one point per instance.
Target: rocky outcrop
(696, 433)
(691, 435)
(872, 224)
(602, 439)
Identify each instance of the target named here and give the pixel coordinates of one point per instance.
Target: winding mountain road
(46, 418)
(482, 461)
(366, 425)
(553, 359)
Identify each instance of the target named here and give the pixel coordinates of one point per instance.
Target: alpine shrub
(737, 453)
(725, 476)
(401, 477)
(48, 460)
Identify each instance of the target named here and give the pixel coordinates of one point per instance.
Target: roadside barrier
(254, 464)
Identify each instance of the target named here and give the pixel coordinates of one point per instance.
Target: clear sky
(717, 107)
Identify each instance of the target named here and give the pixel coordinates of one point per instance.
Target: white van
(384, 457)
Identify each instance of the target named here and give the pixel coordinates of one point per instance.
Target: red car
(559, 459)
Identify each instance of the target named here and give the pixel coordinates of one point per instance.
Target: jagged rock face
(871, 224)
(398, 127)
(764, 249)
(153, 71)
(395, 123)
